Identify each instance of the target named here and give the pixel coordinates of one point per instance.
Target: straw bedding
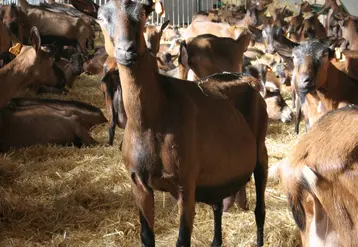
(65, 196)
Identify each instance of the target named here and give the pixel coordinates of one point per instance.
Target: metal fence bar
(179, 12)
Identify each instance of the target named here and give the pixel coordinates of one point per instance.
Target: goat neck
(141, 90)
(12, 79)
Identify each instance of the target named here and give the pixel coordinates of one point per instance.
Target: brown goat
(27, 122)
(152, 36)
(207, 54)
(350, 32)
(217, 29)
(94, 66)
(170, 123)
(32, 66)
(59, 28)
(316, 73)
(310, 28)
(5, 39)
(320, 181)
(5, 44)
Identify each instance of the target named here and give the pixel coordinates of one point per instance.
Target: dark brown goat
(32, 66)
(316, 74)
(5, 44)
(160, 109)
(27, 122)
(114, 99)
(320, 180)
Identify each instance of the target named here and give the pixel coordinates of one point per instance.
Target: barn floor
(64, 196)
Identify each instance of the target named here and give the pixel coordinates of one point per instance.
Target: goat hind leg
(260, 174)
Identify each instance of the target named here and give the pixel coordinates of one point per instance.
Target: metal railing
(179, 12)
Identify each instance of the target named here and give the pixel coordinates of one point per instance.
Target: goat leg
(218, 213)
(298, 115)
(241, 198)
(144, 198)
(84, 137)
(186, 205)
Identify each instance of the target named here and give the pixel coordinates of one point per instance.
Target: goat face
(77, 60)
(348, 27)
(295, 24)
(310, 67)
(283, 74)
(269, 33)
(9, 15)
(252, 15)
(38, 64)
(122, 23)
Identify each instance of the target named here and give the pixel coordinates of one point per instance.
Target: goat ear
(184, 57)
(164, 25)
(151, 5)
(35, 39)
(87, 7)
(106, 78)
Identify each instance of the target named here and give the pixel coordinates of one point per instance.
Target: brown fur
(5, 39)
(27, 122)
(217, 29)
(94, 66)
(170, 123)
(321, 183)
(332, 88)
(32, 66)
(208, 54)
(52, 24)
(350, 33)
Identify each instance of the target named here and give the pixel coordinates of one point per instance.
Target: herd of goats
(195, 103)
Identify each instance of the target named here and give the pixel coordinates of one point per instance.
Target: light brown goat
(185, 138)
(320, 180)
(32, 66)
(207, 54)
(350, 32)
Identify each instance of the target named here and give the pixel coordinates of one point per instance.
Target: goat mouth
(302, 92)
(126, 58)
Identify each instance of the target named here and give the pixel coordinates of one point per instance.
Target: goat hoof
(216, 243)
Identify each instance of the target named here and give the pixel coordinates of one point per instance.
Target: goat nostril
(305, 80)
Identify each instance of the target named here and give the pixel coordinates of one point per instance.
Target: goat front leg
(186, 203)
(218, 213)
(144, 198)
